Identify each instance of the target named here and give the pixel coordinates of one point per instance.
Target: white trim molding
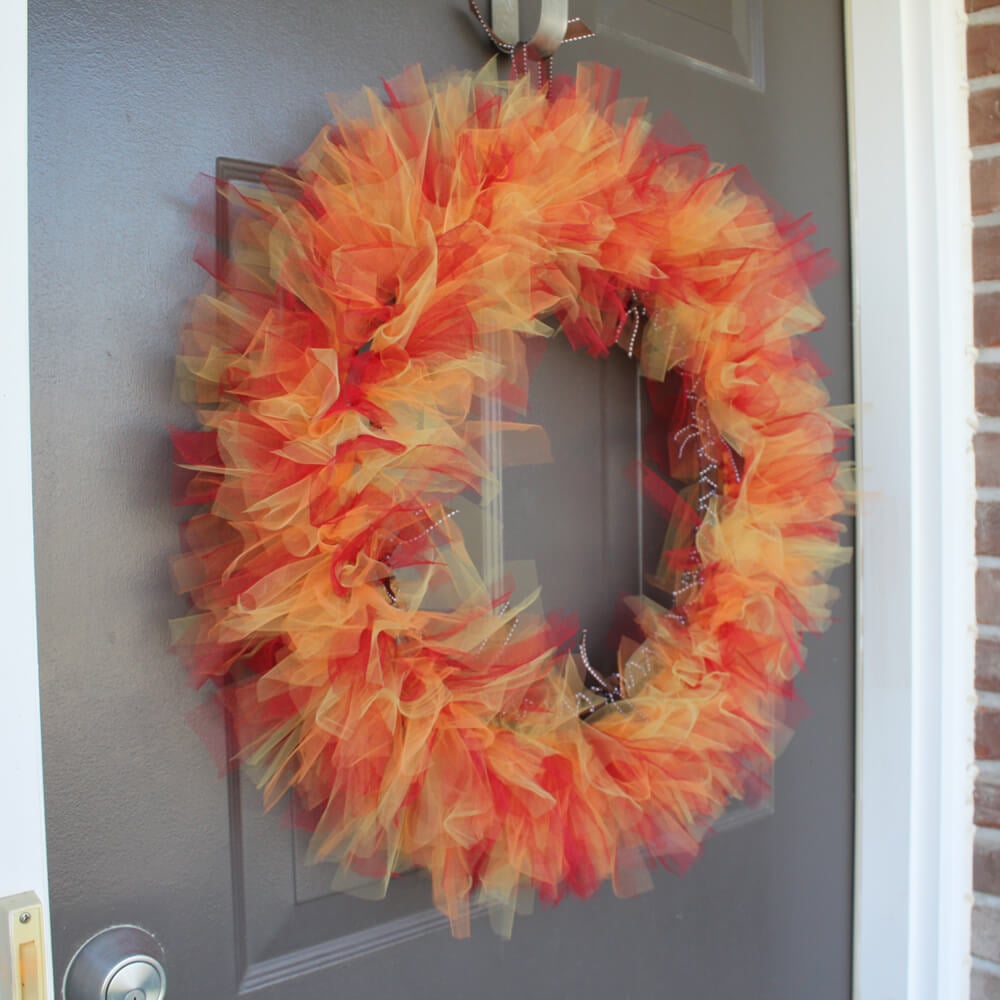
(22, 832)
(914, 361)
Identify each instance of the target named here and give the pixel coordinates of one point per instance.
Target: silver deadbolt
(120, 963)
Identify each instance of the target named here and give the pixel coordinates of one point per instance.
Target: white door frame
(911, 236)
(22, 831)
(912, 283)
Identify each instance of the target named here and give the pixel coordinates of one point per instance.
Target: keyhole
(135, 995)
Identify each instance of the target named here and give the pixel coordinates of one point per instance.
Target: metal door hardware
(22, 952)
(120, 963)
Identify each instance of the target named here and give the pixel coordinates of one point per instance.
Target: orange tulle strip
(372, 298)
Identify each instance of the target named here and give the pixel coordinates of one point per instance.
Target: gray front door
(130, 101)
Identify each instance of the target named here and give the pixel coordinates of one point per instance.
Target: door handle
(120, 963)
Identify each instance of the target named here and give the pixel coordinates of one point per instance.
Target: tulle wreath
(372, 297)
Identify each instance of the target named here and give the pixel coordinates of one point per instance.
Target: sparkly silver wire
(447, 517)
(510, 632)
(511, 629)
(636, 673)
(732, 459)
(698, 428)
(638, 311)
(387, 558)
(611, 693)
(495, 39)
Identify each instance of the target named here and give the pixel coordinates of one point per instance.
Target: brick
(986, 312)
(988, 389)
(984, 116)
(988, 736)
(986, 861)
(988, 596)
(987, 664)
(988, 528)
(983, 49)
(981, 4)
(986, 799)
(987, 447)
(984, 985)
(986, 253)
(984, 178)
(986, 932)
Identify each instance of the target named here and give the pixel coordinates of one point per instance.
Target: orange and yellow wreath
(372, 297)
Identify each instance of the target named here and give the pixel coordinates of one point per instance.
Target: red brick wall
(984, 131)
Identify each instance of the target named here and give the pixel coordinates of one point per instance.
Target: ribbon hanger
(555, 26)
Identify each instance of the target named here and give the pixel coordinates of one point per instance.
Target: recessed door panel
(724, 37)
